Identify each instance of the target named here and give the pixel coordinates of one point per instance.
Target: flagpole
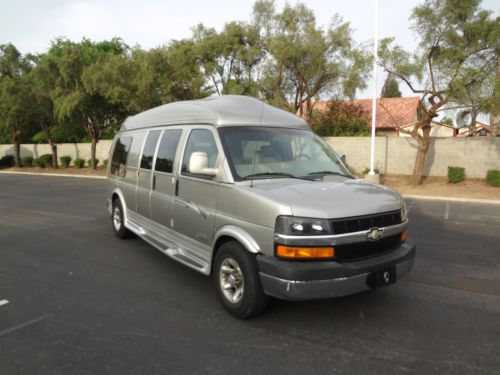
(374, 90)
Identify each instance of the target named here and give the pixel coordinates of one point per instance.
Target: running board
(177, 254)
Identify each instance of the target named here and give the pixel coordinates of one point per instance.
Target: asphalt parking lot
(81, 301)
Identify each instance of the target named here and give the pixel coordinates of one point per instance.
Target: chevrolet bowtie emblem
(375, 234)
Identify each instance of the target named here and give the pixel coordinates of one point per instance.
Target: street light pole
(374, 90)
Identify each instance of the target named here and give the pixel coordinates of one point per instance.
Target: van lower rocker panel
(172, 246)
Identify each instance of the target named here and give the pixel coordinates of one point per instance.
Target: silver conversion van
(248, 194)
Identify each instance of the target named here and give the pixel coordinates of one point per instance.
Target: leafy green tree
(341, 119)
(457, 51)
(16, 111)
(42, 80)
(76, 96)
(391, 88)
(16, 102)
(309, 61)
(229, 58)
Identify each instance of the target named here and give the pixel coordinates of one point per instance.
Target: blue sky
(31, 24)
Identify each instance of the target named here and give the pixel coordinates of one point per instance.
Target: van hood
(335, 197)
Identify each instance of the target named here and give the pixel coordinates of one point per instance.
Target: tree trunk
(53, 147)
(308, 113)
(17, 153)
(423, 142)
(92, 153)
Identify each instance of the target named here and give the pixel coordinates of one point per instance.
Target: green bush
(39, 162)
(105, 163)
(7, 161)
(89, 162)
(26, 161)
(65, 160)
(456, 174)
(47, 159)
(367, 170)
(79, 163)
(493, 177)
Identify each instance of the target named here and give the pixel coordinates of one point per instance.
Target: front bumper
(295, 280)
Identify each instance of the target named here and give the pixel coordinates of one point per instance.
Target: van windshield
(273, 152)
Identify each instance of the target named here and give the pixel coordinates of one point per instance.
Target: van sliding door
(163, 189)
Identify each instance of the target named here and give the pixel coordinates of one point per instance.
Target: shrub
(367, 170)
(65, 160)
(47, 159)
(79, 163)
(105, 163)
(456, 174)
(341, 119)
(7, 161)
(493, 177)
(39, 162)
(89, 162)
(26, 161)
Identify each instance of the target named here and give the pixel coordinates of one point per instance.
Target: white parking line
(3, 302)
(447, 212)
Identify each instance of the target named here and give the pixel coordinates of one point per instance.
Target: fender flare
(118, 192)
(238, 234)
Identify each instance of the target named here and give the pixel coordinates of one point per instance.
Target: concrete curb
(55, 175)
(411, 196)
(451, 199)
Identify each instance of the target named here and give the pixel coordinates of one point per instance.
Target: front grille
(360, 250)
(359, 223)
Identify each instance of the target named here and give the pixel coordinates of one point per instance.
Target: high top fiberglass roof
(227, 110)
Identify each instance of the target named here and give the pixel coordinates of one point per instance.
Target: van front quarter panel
(241, 206)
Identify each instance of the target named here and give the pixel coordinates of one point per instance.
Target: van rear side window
(120, 154)
(149, 149)
(167, 150)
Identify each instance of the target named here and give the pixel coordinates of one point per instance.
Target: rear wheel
(117, 220)
(237, 281)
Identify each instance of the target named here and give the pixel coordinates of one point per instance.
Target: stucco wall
(393, 155)
(397, 155)
(75, 150)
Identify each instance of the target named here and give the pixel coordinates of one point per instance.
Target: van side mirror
(344, 159)
(198, 164)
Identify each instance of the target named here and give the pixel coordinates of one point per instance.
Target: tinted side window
(200, 140)
(167, 150)
(120, 154)
(149, 149)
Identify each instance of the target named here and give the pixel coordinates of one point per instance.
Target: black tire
(118, 225)
(253, 301)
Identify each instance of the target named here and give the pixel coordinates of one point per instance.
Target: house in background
(438, 129)
(391, 112)
(394, 114)
(482, 130)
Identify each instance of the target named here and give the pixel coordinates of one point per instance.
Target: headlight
(302, 226)
(404, 212)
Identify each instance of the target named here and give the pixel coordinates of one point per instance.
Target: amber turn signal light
(305, 252)
(403, 235)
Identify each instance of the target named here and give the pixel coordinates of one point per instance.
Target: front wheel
(237, 281)
(117, 219)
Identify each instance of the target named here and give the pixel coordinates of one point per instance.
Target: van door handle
(154, 182)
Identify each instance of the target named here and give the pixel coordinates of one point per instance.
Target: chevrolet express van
(248, 194)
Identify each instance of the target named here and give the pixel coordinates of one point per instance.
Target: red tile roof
(397, 111)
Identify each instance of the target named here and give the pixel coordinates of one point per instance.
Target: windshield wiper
(329, 173)
(276, 174)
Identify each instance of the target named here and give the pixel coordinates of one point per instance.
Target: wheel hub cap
(231, 280)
